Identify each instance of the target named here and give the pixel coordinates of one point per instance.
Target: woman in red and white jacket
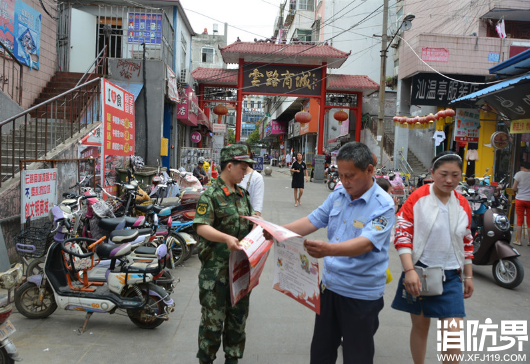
(433, 229)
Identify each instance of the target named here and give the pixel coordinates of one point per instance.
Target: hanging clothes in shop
(439, 137)
(471, 157)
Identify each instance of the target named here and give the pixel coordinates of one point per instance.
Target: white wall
(182, 29)
(365, 49)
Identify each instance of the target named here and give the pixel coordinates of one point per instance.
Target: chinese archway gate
(298, 70)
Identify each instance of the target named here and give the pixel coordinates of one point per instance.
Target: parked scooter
(129, 287)
(8, 280)
(333, 177)
(492, 237)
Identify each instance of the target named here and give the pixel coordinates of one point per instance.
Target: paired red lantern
(450, 113)
(302, 117)
(220, 110)
(340, 116)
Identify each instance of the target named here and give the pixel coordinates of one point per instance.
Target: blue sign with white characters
(494, 57)
(258, 163)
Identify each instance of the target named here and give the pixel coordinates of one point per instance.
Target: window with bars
(207, 55)
(306, 5)
(304, 35)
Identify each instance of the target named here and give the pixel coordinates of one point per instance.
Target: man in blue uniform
(359, 216)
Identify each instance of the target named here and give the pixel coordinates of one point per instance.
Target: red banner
(118, 115)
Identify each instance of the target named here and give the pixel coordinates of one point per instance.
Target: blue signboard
(494, 57)
(258, 165)
(27, 35)
(144, 28)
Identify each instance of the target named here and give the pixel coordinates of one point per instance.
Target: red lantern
(220, 110)
(302, 117)
(340, 116)
(430, 118)
(442, 114)
(450, 113)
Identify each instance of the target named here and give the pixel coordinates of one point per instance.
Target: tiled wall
(35, 80)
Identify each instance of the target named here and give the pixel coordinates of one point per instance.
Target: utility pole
(381, 114)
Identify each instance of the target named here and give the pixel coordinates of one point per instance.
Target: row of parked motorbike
(98, 262)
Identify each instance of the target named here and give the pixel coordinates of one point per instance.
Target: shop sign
(144, 28)
(281, 79)
(38, 193)
(435, 54)
(494, 57)
(467, 125)
(187, 109)
(278, 127)
(196, 137)
(219, 128)
(520, 126)
(118, 111)
(172, 90)
(435, 90)
(500, 140)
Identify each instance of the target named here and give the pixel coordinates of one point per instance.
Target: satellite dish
(407, 24)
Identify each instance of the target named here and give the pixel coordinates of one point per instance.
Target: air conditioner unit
(184, 76)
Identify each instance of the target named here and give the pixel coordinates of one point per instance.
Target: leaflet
(295, 271)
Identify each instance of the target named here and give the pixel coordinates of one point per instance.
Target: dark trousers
(355, 321)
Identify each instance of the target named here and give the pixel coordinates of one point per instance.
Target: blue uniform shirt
(371, 216)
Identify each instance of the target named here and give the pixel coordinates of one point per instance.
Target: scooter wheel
(513, 276)
(332, 184)
(4, 357)
(35, 267)
(27, 301)
(146, 318)
(179, 248)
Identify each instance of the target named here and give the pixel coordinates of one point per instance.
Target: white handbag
(432, 279)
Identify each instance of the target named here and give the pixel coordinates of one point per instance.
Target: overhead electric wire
(305, 50)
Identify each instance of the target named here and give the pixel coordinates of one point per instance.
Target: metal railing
(404, 165)
(11, 79)
(100, 67)
(33, 133)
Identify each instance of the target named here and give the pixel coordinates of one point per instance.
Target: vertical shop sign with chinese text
(118, 113)
(38, 193)
(27, 35)
(467, 125)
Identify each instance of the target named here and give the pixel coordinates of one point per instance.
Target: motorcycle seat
(112, 223)
(162, 210)
(123, 236)
(152, 268)
(145, 231)
(112, 251)
(144, 208)
(145, 250)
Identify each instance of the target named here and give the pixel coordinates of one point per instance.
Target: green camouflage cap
(235, 152)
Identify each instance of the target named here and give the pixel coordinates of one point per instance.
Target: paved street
(279, 330)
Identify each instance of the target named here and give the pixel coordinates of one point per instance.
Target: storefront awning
(133, 88)
(507, 97)
(203, 120)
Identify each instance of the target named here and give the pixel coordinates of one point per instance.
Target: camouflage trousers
(219, 319)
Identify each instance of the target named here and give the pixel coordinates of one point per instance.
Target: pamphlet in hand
(295, 271)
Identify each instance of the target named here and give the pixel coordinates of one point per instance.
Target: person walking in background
(522, 201)
(253, 183)
(219, 223)
(434, 229)
(298, 170)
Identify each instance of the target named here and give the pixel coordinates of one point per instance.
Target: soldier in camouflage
(219, 223)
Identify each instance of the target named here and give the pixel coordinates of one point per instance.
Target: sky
(255, 16)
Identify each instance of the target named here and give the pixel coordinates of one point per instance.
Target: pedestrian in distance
(387, 187)
(298, 169)
(253, 183)
(359, 216)
(433, 230)
(220, 224)
(200, 173)
(521, 186)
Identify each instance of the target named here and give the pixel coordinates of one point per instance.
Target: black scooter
(492, 247)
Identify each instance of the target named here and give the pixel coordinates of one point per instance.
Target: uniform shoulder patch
(202, 208)
(380, 223)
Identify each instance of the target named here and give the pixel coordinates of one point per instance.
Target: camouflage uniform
(221, 209)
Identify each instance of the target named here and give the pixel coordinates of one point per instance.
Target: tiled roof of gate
(350, 83)
(272, 52)
(220, 76)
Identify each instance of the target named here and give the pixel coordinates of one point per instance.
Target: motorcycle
(129, 287)
(492, 236)
(8, 280)
(333, 177)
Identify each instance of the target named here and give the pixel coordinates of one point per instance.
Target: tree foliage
(231, 136)
(254, 137)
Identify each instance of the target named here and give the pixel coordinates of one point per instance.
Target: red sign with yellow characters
(118, 116)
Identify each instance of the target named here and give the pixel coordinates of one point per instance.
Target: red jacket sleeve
(468, 239)
(405, 224)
